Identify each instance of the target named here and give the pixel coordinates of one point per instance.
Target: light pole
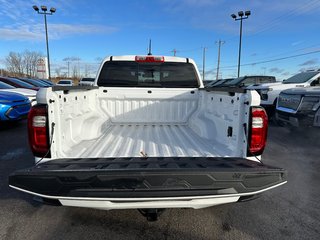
(242, 16)
(45, 13)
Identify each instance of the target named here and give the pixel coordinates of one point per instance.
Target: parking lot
(288, 212)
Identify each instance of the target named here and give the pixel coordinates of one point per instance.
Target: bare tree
(58, 72)
(71, 64)
(22, 64)
(87, 69)
(14, 63)
(35, 56)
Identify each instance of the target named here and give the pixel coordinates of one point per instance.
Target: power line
(273, 23)
(274, 60)
(298, 10)
(293, 51)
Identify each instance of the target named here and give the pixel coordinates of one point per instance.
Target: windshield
(134, 74)
(5, 86)
(301, 77)
(20, 83)
(35, 82)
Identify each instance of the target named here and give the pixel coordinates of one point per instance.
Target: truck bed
(124, 123)
(136, 140)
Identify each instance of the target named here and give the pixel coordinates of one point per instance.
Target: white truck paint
(145, 126)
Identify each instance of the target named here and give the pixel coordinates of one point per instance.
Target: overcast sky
(91, 30)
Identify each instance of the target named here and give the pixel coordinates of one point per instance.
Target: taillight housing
(149, 59)
(258, 131)
(38, 130)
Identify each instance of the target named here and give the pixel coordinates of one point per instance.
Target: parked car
(13, 106)
(34, 82)
(86, 82)
(269, 92)
(246, 81)
(29, 93)
(48, 82)
(299, 107)
(65, 82)
(149, 138)
(18, 83)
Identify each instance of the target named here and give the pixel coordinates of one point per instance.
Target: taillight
(149, 59)
(38, 130)
(258, 131)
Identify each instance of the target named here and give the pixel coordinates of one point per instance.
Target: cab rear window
(136, 74)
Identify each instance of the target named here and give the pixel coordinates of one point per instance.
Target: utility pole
(204, 63)
(149, 51)
(174, 52)
(220, 43)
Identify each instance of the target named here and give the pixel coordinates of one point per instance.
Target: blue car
(13, 106)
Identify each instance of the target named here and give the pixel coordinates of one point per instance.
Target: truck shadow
(8, 125)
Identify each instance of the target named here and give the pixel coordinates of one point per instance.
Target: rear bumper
(147, 183)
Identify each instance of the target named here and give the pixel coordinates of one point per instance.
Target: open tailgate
(147, 177)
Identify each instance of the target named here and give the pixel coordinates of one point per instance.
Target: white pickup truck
(269, 92)
(147, 136)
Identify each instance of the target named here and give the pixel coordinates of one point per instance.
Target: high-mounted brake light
(258, 131)
(38, 130)
(149, 59)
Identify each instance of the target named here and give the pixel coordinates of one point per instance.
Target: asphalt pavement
(291, 211)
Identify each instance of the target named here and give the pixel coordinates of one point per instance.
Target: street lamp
(240, 17)
(45, 13)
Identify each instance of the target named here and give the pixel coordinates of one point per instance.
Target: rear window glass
(64, 82)
(134, 74)
(87, 79)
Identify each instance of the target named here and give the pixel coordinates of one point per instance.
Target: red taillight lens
(149, 59)
(38, 130)
(258, 131)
